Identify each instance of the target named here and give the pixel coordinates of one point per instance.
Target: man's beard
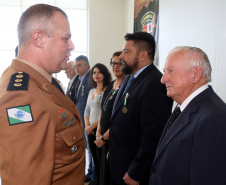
(126, 69)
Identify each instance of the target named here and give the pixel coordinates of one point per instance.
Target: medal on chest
(82, 90)
(125, 109)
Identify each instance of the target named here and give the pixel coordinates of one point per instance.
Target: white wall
(109, 21)
(198, 23)
(129, 17)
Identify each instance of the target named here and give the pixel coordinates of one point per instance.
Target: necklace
(98, 98)
(109, 97)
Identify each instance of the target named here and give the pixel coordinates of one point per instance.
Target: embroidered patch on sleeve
(20, 114)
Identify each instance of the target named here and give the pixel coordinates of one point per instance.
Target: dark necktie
(57, 85)
(130, 81)
(72, 92)
(174, 116)
(77, 88)
(68, 87)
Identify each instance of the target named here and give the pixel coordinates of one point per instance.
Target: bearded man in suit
(140, 112)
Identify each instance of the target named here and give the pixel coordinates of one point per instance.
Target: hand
(128, 180)
(89, 131)
(98, 134)
(99, 141)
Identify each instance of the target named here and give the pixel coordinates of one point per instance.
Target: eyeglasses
(115, 63)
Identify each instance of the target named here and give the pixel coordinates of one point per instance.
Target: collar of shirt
(140, 70)
(192, 96)
(37, 68)
(82, 78)
(72, 80)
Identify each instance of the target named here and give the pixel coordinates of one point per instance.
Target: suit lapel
(120, 96)
(83, 84)
(71, 87)
(71, 93)
(68, 90)
(182, 120)
(178, 125)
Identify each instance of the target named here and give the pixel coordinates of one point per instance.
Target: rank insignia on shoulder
(20, 114)
(18, 81)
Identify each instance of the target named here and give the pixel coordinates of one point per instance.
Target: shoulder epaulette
(18, 81)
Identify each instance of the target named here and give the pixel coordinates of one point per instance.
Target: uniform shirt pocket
(70, 145)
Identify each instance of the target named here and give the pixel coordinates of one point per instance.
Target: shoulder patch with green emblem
(20, 114)
(18, 81)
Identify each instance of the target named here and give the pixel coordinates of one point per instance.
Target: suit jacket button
(74, 149)
(153, 171)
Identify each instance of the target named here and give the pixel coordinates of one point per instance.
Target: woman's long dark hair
(103, 70)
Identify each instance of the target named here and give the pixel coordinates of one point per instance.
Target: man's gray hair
(195, 57)
(72, 64)
(37, 17)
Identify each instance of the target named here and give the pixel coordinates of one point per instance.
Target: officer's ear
(38, 38)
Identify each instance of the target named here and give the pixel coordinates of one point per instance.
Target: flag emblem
(20, 114)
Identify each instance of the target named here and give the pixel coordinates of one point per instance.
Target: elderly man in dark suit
(71, 75)
(140, 113)
(192, 148)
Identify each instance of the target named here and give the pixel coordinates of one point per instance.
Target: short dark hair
(143, 42)
(116, 54)
(104, 70)
(82, 57)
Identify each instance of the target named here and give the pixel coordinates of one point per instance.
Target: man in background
(82, 89)
(41, 136)
(192, 148)
(71, 75)
(140, 112)
(83, 86)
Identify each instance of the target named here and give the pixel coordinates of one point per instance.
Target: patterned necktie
(57, 85)
(130, 81)
(174, 116)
